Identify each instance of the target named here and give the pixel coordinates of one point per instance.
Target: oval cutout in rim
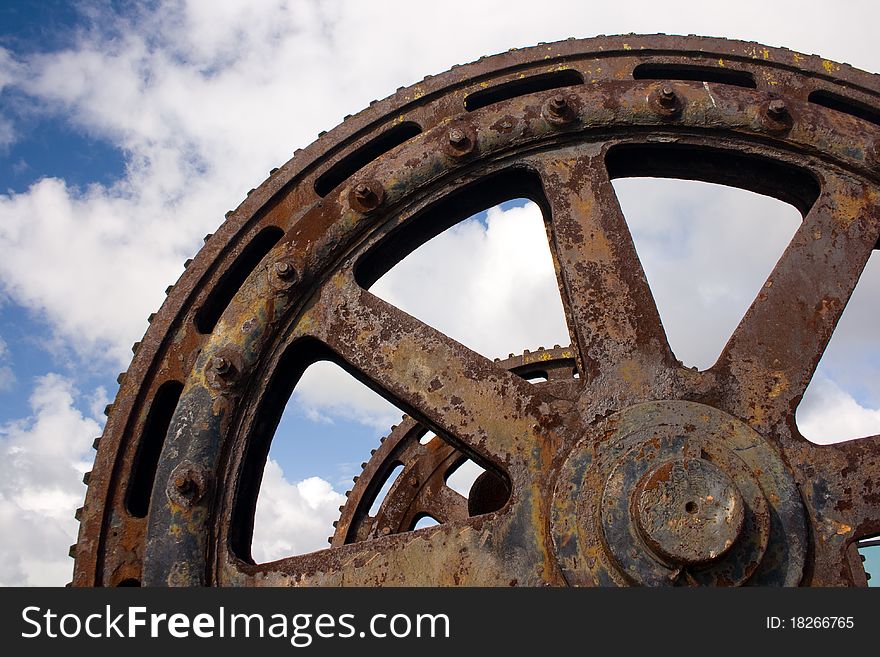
(694, 72)
(362, 156)
(522, 87)
(233, 278)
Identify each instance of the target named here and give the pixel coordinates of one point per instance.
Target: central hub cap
(688, 511)
(677, 493)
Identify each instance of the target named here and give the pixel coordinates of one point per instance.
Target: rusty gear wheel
(637, 471)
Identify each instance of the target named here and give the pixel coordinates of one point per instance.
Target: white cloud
(491, 287)
(829, 414)
(706, 250)
(326, 391)
(292, 518)
(44, 457)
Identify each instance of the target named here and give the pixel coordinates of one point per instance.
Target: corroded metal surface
(609, 473)
(427, 461)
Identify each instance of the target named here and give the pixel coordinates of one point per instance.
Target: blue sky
(125, 136)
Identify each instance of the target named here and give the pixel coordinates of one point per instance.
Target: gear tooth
(867, 575)
(347, 493)
(556, 346)
(372, 451)
(862, 557)
(403, 417)
(346, 117)
(107, 409)
(168, 290)
(228, 213)
(72, 551)
(135, 347)
(526, 352)
(354, 479)
(68, 585)
(95, 442)
(373, 102)
(208, 236)
(322, 133)
(87, 476)
(330, 540)
(363, 465)
(510, 355)
(540, 348)
(187, 263)
(78, 514)
(341, 507)
(297, 151)
(273, 170)
(251, 191)
(120, 378)
(150, 318)
(335, 523)
(382, 439)
(497, 360)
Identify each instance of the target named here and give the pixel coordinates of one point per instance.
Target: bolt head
(777, 108)
(221, 365)
(362, 192)
(560, 109)
(558, 104)
(457, 137)
(284, 270)
(666, 96)
(366, 196)
(182, 483)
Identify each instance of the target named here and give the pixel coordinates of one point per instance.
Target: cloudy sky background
(126, 133)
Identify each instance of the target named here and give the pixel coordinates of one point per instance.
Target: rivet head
(366, 195)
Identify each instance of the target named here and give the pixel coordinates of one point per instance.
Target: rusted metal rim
(283, 283)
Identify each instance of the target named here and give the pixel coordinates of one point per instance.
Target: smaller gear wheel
(420, 489)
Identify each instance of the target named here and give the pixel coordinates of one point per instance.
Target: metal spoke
(771, 357)
(612, 316)
(445, 555)
(463, 395)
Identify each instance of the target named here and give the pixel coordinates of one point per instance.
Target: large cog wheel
(640, 471)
